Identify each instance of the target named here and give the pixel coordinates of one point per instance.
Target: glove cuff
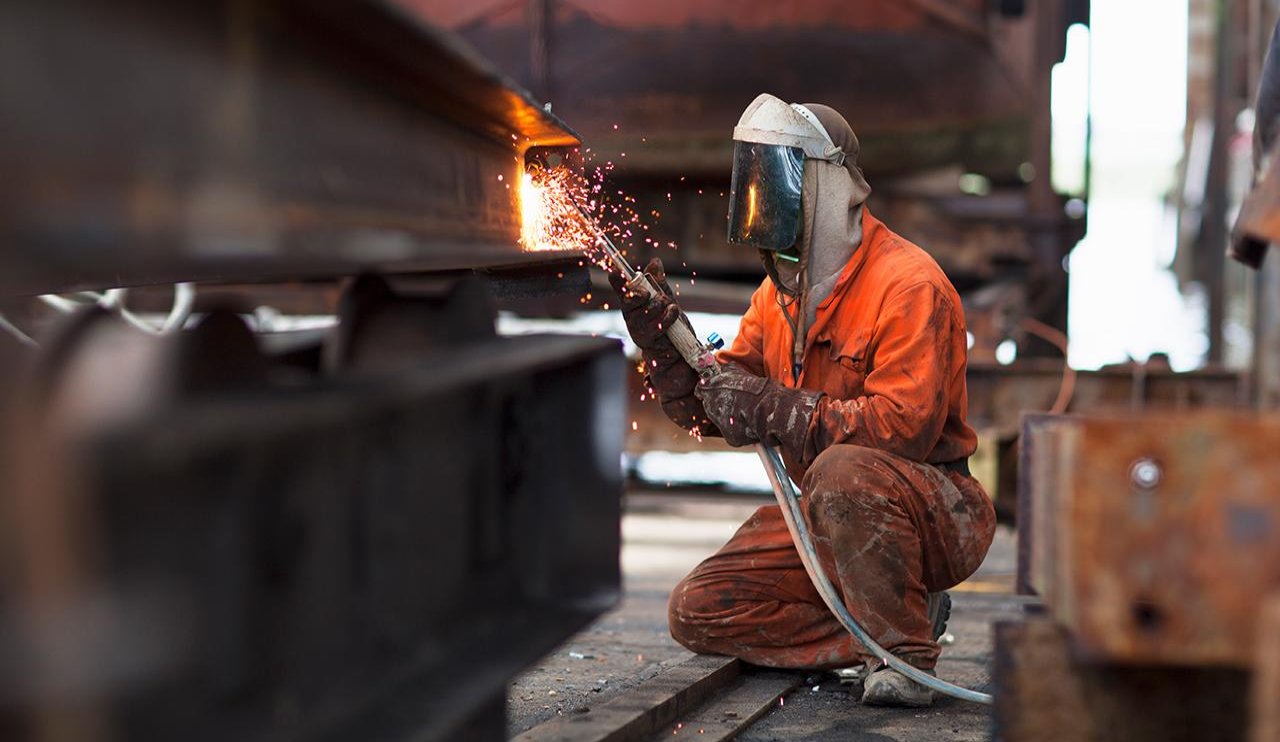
(786, 416)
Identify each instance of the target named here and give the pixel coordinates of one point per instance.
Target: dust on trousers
(887, 530)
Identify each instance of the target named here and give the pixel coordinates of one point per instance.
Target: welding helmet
(771, 142)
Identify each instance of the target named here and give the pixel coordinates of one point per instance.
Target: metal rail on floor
(707, 695)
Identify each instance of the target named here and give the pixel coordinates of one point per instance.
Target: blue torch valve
(715, 341)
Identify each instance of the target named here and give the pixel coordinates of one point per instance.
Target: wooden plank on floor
(650, 706)
(726, 714)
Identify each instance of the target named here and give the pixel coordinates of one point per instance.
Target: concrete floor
(664, 536)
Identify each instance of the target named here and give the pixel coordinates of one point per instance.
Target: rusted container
(1155, 539)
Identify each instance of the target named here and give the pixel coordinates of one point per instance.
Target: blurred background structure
(982, 126)
(298, 440)
(949, 101)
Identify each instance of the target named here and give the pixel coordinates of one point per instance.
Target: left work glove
(752, 409)
(648, 319)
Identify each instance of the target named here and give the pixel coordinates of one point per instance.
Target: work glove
(751, 409)
(667, 373)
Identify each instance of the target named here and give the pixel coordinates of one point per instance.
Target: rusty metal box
(1154, 539)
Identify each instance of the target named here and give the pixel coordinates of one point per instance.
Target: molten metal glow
(549, 220)
(751, 207)
(550, 198)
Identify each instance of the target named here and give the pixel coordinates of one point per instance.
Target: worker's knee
(841, 459)
(686, 611)
(850, 484)
(849, 470)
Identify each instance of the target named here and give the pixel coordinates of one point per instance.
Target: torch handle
(697, 354)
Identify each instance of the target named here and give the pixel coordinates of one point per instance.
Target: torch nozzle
(602, 239)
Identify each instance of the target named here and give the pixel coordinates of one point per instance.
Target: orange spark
(550, 199)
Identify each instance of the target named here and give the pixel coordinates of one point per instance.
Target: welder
(851, 359)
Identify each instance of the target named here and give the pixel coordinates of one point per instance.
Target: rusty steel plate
(1164, 534)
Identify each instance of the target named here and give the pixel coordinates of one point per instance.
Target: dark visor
(764, 195)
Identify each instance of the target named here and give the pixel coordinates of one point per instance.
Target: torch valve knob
(715, 341)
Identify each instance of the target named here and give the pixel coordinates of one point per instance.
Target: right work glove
(752, 409)
(666, 371)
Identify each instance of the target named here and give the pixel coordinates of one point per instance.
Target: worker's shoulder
(898, 265)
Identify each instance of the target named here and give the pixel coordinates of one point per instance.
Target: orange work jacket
(888, 347)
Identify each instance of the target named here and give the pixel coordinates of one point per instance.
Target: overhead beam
(147, 143)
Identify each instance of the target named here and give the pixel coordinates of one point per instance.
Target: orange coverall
(892, 517)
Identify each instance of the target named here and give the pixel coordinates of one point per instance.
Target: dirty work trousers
(887, 530)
